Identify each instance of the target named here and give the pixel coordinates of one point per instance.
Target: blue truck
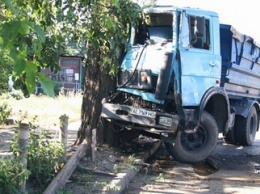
(185, 79)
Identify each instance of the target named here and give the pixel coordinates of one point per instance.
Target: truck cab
(169, 86)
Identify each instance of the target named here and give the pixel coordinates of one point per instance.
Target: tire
(246, 128)
(230, 137)
(195, 147)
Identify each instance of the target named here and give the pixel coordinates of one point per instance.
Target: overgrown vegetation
(11, 175)
(128, 163)
(47, 109)
(5, 71)
(44, 160)
(35, 33)
(44, 154)
(5, 112)
(44, 157)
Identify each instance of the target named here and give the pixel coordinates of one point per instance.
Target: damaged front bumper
(141, 117)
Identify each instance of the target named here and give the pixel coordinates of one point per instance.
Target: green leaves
(39, 32)
(46, 84)
(10, 6)
(116, 3)
(12, 175)
(13, 29)
(24, 27)
(35, 33)
(23, 38)
(19, 61)
(108, 30)
(30, 69)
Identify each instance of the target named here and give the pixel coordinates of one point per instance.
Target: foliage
(129, 163)
(47, 109)
(106, 31)
(33, 34)
(5, 71)
(5, 111)
(11, 175)
(108, 28)
(44, 156)
(44, 159)
(30, 40)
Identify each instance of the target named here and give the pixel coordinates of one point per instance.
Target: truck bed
(240, 63)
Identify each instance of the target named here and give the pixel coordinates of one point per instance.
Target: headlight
(166, 121)
(145, 79)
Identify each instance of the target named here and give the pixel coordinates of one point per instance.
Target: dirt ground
(238, 173)
(6, 134)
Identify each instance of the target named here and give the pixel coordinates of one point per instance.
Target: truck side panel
(240, 64)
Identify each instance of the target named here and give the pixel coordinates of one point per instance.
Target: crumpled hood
(152, 57)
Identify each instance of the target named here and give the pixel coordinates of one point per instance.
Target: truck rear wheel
(195, 147)
(246, 127)
(230, 137)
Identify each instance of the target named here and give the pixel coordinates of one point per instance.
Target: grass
(46, 109)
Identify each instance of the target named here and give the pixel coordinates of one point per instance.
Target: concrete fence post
(64, 121)
(23, 135)
(94, 145)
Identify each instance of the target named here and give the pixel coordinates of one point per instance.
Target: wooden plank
(60, 180)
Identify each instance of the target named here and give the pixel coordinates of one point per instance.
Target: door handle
(212, 64)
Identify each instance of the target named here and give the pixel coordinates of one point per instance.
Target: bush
(5, 70)
(5, 112)
(11, 175)
(44, 157)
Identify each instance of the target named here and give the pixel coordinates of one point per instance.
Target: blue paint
(197, 69)
(145, 95)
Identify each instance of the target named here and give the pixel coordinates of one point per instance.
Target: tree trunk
(98, 85)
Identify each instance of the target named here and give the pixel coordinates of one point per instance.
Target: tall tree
(36, 32)
(108, 28)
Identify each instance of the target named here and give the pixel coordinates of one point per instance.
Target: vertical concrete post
(23, 135)
(88, 137)
(93, 145)
(64, 121)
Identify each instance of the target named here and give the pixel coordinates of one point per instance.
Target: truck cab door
(200, 58)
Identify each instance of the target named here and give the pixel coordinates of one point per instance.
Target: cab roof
(171, 9)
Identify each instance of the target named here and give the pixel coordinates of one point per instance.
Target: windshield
(156, 27)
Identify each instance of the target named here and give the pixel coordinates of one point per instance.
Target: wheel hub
(194, 141)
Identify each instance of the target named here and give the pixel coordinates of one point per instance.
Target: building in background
(69, 78)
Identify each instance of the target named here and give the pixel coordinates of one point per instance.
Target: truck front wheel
(246, 127)
(197, 146)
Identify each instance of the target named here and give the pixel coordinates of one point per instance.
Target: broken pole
(64, 121)
(93, 145)
(23, 135)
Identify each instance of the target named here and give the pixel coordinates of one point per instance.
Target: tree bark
(98, 85)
